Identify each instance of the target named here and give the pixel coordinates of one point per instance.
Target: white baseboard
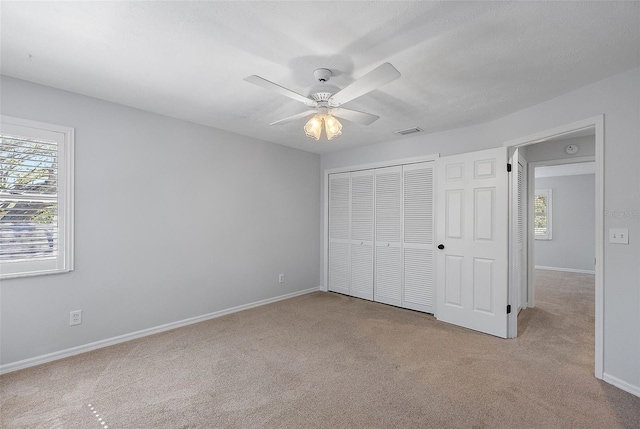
(627, 387)
(568, 270)
(26, 363)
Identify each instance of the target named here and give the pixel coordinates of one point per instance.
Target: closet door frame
(348, 169)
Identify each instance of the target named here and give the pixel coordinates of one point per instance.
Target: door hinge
(508, 308)
(508, 168)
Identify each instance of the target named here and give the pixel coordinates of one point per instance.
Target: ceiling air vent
(408, 131)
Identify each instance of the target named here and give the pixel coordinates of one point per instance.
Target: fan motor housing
(322, 92)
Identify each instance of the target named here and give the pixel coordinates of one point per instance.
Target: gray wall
(618, 98)
(173, 220)
(573, 223)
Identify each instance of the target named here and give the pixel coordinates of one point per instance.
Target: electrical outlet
(75, 317)
(619, 235)
(281, 278)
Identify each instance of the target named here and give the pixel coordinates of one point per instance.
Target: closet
(381, 235)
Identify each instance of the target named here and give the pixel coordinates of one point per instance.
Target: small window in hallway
(542, 214)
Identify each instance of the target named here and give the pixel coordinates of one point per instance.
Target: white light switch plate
(619, 235)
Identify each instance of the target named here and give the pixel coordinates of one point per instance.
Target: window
(542, 214)
(36, 198)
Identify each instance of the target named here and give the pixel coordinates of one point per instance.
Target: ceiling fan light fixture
(313, 127)
(332, 127)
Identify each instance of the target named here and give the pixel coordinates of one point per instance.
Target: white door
(418, 235)
(388, 230)
(339, 242)
(472, 237)
(517, 241)
(362, 234)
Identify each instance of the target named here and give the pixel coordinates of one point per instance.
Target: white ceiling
(461, 62)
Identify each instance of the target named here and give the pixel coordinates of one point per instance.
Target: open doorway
(564, 215)
(563, 211)
(550, 149)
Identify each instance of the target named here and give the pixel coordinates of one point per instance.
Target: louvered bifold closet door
(388, 229)
(339, 240)
(362, 234)
(521, 222)
(418, 248)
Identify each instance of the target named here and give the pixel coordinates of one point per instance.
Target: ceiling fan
(325, 100)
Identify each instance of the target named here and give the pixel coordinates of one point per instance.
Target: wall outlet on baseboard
(75, 317)
(281, 278)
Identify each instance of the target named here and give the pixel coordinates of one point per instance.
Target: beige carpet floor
(329, 361)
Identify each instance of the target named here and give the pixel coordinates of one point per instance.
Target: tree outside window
(542, 214)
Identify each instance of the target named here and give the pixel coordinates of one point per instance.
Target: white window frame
(548, 193)
(64, 137)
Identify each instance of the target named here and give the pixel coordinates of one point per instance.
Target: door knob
(440, 246)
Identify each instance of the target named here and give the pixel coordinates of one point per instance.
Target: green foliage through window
(542, 214)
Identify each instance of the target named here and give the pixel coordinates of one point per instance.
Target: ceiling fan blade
(377, 77)
(354, 115)
(294, 117)
(257, 80)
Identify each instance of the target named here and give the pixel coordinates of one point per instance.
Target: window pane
(28, 203)
(541, 214)
(28, 230)
(28, 166)
(540, 218)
